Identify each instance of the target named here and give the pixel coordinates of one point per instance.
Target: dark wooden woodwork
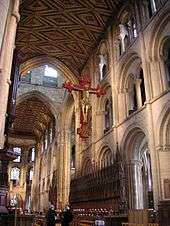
(3, 185)
(164, 213)
(103, 190)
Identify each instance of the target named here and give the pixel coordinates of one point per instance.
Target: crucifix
(85, 89)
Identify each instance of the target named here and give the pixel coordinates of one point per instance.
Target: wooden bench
(79, 222)
(136, 224)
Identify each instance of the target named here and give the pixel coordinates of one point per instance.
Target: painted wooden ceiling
(32, 119)
(64, 29)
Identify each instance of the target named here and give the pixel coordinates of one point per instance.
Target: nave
(84, 111)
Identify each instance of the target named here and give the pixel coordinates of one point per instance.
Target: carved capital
(134, 162)
(8, 81)
(166, 148)
(16, 15)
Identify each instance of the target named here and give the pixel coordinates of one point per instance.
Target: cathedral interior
(85, 110)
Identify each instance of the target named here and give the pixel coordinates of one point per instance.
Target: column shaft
(5, 65)
(135, 185)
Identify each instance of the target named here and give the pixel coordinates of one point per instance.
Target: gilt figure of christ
(85, 89)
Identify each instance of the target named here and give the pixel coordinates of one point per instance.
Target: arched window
(103, 60)
(106, 157)
(50, 77)
(73, 156)
(103, 66)
(142, 87)
(15, 173)
(120, 51)
(46, 140)
(31, 155)
(108, 114)
(136, 91)
(147, 181)
(132, 96)
(134, 28)
(73, 148)
(50, 135)
(104, 70)
(17, 150)
(51, 131)
(151, 7)
(27, 77)
(30, 174)
(168, 64)
(135, 106)
(127, 30)
(42, 145)
(124, 36)
(166, 53)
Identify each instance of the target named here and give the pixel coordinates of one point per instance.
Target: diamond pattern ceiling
(64, 29)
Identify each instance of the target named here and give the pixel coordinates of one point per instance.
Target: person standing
(51, 216)
(66, 216)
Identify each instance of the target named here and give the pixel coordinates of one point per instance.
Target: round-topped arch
(48, 102)
(53, 62)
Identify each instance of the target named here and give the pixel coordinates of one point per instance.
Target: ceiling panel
(67, 30)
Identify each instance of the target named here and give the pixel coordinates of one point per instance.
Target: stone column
(60, 168)
(100, 117)
(157, 86)
(155, 165)
(66, 166)
(135, 184)
(122, 105)
(138, 92)
(5, 65)
(145, 66)
(4, 7)
(78, 142)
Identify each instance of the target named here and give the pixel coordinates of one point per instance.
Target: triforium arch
(53, 62)
(104, 111)
(103, 57)
(132, 84)
(163, 150)
(131, 59)
(163, 131)
(105, 157)
(87, 166)
(106, 105)
(127, 28)
(160, 34)
(159, 31)
(164, 56)
(136, 152)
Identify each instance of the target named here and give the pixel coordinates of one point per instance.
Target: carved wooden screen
(102, 188)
